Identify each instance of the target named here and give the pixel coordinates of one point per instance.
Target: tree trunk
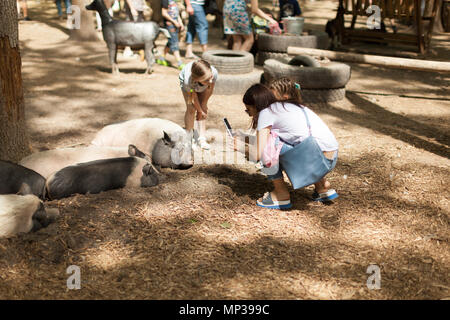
(86, 31)
(14, 144)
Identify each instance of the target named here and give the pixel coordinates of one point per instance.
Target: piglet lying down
(101, 175)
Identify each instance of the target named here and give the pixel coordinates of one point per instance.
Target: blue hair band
(297, 86)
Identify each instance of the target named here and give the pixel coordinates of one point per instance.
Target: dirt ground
(199, 235)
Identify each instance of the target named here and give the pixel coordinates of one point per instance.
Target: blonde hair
(286, 90)
(201, 69)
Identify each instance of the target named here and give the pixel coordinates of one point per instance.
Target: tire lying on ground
(322, 95)
(265, 55)
(331, 75)
(229, 61)
(273, 46)
(323, 83)
(280, 43)
(228, 84)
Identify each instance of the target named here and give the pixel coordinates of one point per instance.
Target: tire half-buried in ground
(265, 55)
(331, 75)
(280, 43)
(322, 95)
(228, 84)
(229, 61)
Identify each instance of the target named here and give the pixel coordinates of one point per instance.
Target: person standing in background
(197, 25)
(135, 10)
(174, 24)
(67, 4)
(236, 21)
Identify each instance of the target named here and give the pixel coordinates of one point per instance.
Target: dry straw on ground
(199, 235)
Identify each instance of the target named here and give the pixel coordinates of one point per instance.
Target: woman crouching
(293, 134)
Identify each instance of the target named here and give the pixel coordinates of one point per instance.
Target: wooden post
(400, 63)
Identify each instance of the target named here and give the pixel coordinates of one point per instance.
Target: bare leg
(248, 42)
(237, 42)
(322, 186)
(201, 122)
(189, 52)
(24, 8)
(280, 192)
(189, 116)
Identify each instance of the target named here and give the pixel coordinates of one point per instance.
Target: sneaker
(203, 144)
(326, 196)
(27, 19)
(181, 65)
(162, 62)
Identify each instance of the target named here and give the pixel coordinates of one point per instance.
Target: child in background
(174, 24)
(197, 80)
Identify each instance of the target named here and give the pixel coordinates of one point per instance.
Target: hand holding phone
(228, 127)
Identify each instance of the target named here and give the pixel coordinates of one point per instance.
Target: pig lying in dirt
(101, 175)
(168, 143)
(23, 214)
(16, 179)
(47, 162)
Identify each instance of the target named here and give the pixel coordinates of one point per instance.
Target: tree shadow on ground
(397, 126)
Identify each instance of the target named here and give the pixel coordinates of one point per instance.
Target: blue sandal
(326, 196)
(268, 203)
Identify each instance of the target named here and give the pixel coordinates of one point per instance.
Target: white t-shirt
(289, 121)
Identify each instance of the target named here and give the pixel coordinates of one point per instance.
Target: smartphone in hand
(228, 127)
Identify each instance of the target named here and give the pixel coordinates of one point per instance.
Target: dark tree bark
(14, 143)
(87, 31)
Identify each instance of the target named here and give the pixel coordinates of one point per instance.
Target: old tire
(264, 55)
(229, 61)
(331, 75)
(280, 43)
(322, 95)
(228, 84)
(306, 61)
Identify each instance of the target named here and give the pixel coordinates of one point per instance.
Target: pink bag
(271, 153)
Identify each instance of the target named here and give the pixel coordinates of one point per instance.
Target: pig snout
(149, 176)
(169, 154)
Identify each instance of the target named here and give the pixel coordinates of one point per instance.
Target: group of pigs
(126, 154)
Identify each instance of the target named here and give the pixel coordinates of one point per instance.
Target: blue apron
(305, 163)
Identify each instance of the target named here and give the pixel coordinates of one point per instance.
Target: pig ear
(166, 138)
(132, 150)
(147, 169)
